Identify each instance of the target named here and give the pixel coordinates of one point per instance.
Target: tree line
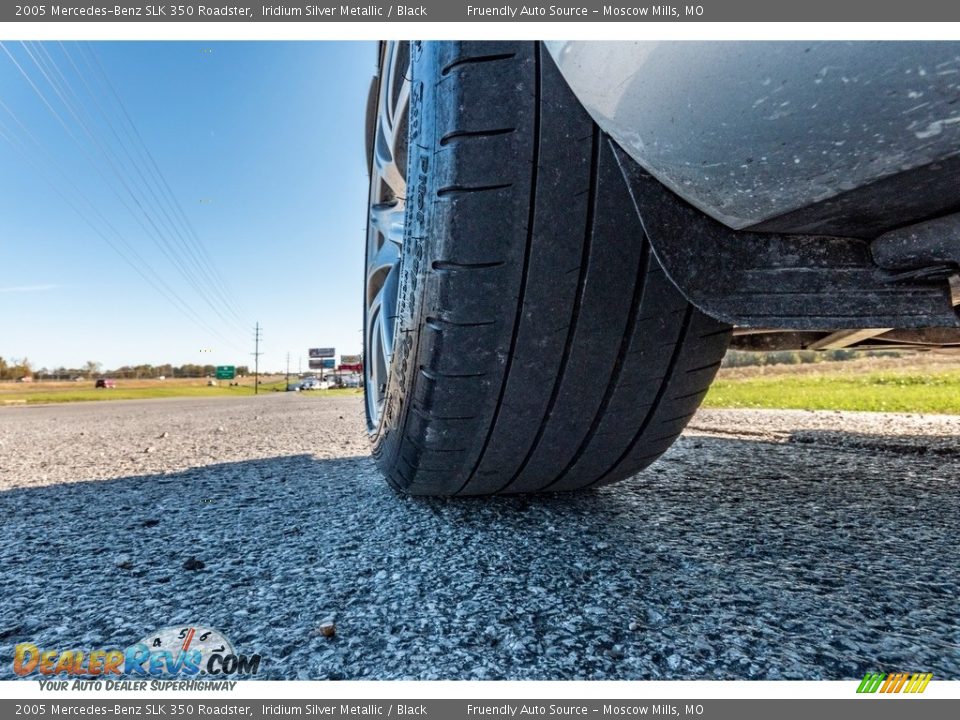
(747, 358)
(18, 368)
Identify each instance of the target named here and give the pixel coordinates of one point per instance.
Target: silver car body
(749, 131)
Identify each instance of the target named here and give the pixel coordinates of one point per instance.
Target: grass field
(833, 386)
(917, 384)
(84, 391)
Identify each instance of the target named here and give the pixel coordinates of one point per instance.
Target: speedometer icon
(197, 642)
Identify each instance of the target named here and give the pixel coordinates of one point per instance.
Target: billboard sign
(321, 363)
(349, 359)
(322, 352)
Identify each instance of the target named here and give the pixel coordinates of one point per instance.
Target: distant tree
(190, 370)
(18, 369)
(782, 357)
(91, 368)
(740, 358)
(143, 371)
(840, 354)
(124, 372)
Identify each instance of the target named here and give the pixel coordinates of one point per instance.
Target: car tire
(520, 333)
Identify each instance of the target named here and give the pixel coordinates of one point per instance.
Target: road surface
(766, 545)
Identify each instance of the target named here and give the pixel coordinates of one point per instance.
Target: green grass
(332, 391)
(937, 392)
(37, 395)
(890, 391)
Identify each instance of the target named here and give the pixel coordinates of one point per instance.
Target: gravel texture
(765, 544)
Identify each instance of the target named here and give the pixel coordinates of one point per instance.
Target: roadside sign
(321, 363)
(322, 352)
(226, 372)
(351, 367)
(349, 359)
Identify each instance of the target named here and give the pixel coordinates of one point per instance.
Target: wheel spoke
(374, 367)
(385, 231)
(387, 257)
(375, 305)
(400, 111)
(390, 126)
(387, 218)
(388, 312)
(387, 167)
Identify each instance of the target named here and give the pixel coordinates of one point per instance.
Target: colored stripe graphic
(871, 682)
(894, 682)
(918, 683)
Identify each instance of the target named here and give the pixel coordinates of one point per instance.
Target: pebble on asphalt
(328, 630)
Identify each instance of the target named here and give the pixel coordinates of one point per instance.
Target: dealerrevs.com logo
(169, 652)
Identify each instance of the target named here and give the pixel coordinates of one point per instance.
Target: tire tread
(553, 351)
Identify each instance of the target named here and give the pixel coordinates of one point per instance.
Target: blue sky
(261, 146)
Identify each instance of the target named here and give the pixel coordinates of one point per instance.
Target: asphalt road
(768, 545)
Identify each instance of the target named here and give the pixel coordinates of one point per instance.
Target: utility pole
(256, 359)
(286, 385)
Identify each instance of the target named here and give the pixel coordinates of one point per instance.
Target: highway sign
(226, 372)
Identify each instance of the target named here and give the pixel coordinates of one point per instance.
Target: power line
(124, 250)
(203, 277)
(144, 269)
(192, 237)
(116, 167)
(187, 239)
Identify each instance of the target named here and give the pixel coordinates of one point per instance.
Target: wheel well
(795, 291)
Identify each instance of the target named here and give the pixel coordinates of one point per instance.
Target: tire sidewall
(416, 253)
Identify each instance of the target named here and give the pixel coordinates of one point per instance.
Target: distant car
(106, 383)
(211, 383)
